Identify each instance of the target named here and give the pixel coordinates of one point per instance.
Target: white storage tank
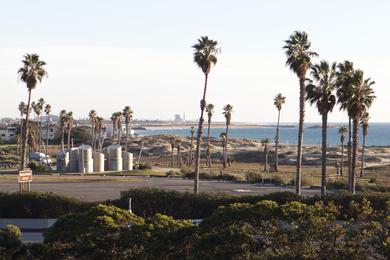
(85, 159)
(127, 161)
(98, 162)
(74, 160)
(62, 159)
(115, 157)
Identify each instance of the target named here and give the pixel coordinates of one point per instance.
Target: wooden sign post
(25, 176)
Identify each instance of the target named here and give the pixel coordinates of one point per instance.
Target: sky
(105, 55)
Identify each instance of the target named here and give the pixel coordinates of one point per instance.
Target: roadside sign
(25, 176)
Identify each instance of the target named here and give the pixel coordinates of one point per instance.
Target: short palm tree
(31, 73)
(99, 127)
(279, 100)
(114, 124)
(92, 118)
(119, 126)
(41, 104)
(265, 143)
(37, 110)
(128, 115)
(190, 152)
(210, 112)
(360, 101)
(178, 147)
(227, 111)
(173, 145)
(223, 141)
(299, 58)
(320, 92)
(345, 80)
(47, 112)
(205, 51)
(342, 131)
(63, 121)
(69, 120)
(364, 124)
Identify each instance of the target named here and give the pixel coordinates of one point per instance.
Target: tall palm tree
(360, 101)
(69, 117)
(345, 82)
(47, 112)
(31, 73)
(41, 103)
(128, 115)
(227, 111)
(209, 111)
(92, 118)
(320, 92)
(364, 124)
(63, 120)
(299, 58)
(190, 154)
(342, 131)
(265, 143)
(205, 52)
(279, 100)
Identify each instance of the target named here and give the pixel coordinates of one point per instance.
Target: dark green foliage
(36, 166)
(38, 205)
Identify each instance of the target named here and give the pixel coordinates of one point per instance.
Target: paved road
(108, 187)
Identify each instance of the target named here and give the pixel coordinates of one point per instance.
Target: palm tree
(227, 111)
(209, 111)
(360, 101)
(173, 144)
(114, 124)
(265, 143)
(223, 140)
(99, 126)
(119, 126)
(279, 100)
(190, 155)
(128, 115)
(92, 117)
(178, 147)
(69, 117)
(342, 131)
(205, 52)
(41, 103)
(299, 58)
(47, 112)
(320, 92)
(364, 124)
(345, 80)
(63, 120)
(37, 110)
(31, 73)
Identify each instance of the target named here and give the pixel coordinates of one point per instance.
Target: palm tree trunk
(92, 135)
(199, 137)
(62, 138)
(208, 155)
(69, 131)
(265, 158)
(342, 159)
(298, 176)
(23, 161)
(355, 143)
(190, 158)
(40, 133)
(47, 136)
(127, 135)
(324, 146)
(277, 144)
(21, 137)
(172, 156)
(363, 150)
(180, 161)
(349, 150)
(225, 151)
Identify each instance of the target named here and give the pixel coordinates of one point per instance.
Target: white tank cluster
(83, 160)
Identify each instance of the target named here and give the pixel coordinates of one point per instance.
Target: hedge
(38, 205)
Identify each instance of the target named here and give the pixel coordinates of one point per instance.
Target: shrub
(38, 205)
(36, 166)
(144, 166)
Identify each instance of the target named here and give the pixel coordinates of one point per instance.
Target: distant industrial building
(8, 134)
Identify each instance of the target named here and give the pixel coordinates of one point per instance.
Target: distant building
(53, 132)
(8, 134)
(178, 119)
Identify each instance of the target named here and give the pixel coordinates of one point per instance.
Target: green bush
(36, 166)
(38, 205)
(144, 166)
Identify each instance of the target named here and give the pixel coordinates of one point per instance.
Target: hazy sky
(108, 54)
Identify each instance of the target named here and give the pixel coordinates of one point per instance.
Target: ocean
(378, 133)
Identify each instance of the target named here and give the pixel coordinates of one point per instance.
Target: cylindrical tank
(85, 159)
(74, 160)
(98, 162)
(115, 157)
(127, 161)
(62, 159)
